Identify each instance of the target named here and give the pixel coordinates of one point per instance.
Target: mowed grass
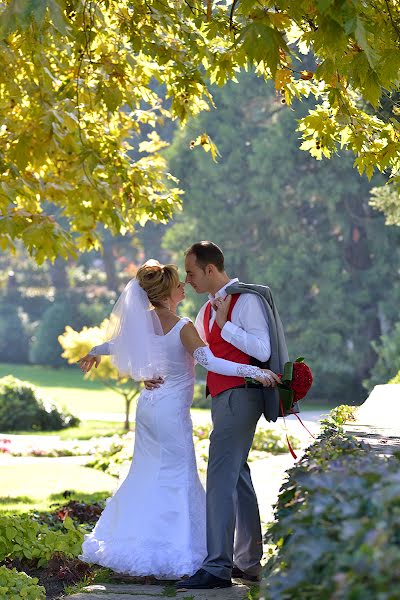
(36, 485)
(68, 388)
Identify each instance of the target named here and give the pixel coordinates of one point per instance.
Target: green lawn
(68, 388)
(35, 486)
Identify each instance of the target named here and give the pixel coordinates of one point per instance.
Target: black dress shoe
(202, 580)
(239, 574)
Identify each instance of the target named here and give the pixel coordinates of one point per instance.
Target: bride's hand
(152, 384)
(87, 362)
(268, 378)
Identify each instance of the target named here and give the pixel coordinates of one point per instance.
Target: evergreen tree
(300, 226)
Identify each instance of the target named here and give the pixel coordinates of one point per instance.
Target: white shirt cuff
(229, 331)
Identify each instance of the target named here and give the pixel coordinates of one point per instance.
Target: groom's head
(205, 270)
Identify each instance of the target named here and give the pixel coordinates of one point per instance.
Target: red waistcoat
(222, 349)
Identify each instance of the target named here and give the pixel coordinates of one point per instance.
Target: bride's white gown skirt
(155, 523)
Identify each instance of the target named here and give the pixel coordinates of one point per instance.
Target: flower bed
(47, 447)
(115, 458)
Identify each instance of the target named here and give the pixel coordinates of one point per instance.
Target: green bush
(273, 441)
(340, 415)
(22, 409)
(337, 528)
(35, 306)
(23, 538)
(388, 364)
(14, 341)
(45, 348)
(396, 378)
(17, 586)
(199, 397)
(113, 454)
(93, 312)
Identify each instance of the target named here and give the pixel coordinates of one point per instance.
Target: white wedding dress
(155, 524)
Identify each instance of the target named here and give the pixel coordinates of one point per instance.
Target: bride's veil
(136, 336)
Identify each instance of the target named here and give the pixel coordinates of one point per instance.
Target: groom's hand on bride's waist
(152, 384)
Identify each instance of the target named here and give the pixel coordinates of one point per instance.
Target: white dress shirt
(248, 329)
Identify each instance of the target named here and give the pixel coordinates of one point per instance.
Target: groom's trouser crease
(231, 499)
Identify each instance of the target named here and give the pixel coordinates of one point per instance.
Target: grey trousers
(231, 500)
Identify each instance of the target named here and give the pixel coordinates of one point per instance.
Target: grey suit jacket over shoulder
(279, 353)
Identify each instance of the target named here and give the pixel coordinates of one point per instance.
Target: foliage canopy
(83, 81)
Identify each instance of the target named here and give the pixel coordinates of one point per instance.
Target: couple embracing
(160, 521)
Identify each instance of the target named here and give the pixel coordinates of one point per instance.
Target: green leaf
(112, 96)
(361, 37)
(324, 5)
(287, 374)
(20, 13)
(262, 43)
(58, 17)
(69, 524)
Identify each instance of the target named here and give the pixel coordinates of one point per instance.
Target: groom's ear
(210, 269)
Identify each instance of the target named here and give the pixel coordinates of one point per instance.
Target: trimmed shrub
(337, 528)
(22, 409)
(15, 585)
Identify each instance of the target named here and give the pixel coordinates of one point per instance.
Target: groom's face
(195, 275)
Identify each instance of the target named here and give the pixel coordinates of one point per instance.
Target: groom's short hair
(207, 253)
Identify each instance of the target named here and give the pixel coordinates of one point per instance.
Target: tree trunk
(58, 274)
(127, 411)
(109, 267)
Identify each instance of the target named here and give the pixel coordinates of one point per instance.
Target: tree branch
(395, 26)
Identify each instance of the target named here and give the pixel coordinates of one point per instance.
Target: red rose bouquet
(296, 381)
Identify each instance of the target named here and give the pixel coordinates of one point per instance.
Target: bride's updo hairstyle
(157, 280)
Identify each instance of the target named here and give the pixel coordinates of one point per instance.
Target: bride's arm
(203, 355)
(101, 350)
(94, 356)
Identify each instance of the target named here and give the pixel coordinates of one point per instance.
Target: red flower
(301, 381)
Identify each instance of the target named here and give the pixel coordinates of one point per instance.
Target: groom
(235, 328)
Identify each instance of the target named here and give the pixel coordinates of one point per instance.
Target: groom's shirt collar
(222, 292)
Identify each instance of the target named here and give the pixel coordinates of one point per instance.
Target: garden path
(127, 591)
(378, 420)
(267, 475)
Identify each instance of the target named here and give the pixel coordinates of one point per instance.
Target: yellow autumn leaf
(282, 78)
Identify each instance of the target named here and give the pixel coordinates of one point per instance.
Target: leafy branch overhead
(82, 81)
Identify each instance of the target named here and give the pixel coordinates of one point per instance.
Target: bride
(155, 523)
